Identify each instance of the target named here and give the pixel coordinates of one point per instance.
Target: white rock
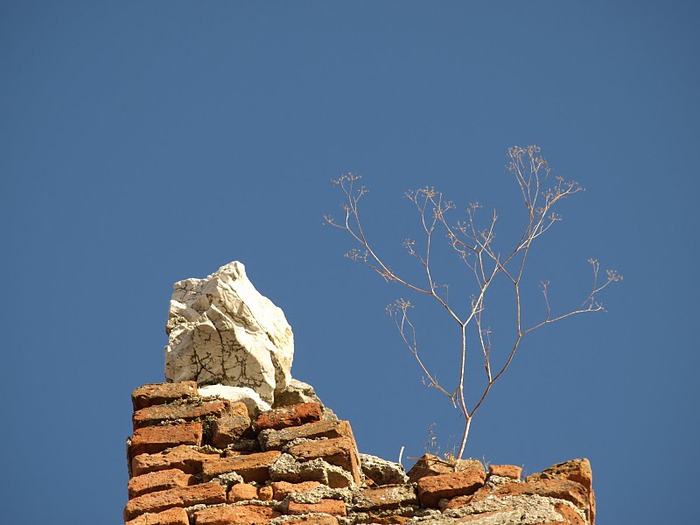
(223, 331)
(236, 394)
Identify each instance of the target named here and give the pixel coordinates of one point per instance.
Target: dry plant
(474, 246)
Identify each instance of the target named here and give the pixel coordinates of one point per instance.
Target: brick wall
(206, 461)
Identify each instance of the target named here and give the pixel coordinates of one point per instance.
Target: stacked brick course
(205, 461)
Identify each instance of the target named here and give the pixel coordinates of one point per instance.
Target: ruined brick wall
(207, 461)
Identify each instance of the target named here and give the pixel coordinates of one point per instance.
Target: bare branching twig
(475, 247)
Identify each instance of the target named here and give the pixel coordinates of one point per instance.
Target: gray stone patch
(381, 471)
(300, 441)
(296, 392)
(529, 510)
(281, 520)
(286, 468)
(399, 496)
(329, 415)
(321, 492)
(207, 449)
(228, 479)
(494, 481)
(277, 439)
(365, 518)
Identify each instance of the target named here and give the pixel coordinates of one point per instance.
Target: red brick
(339, 451)
(325, 506)
(230, 426)
(151, 440)
(188, 410)
(578, 470)
(430, 465)
(289, 416)
(251, 467)
(463, 501)
(183, 457)
(160, 480)
(235, 515)
(276, 439)
(282, 489)
(207, 493)
(159, 393)
(265, 493)
(242, 492)
(432, 489)
(506, 471)
(177, 516)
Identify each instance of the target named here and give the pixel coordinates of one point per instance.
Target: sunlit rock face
(223, 331)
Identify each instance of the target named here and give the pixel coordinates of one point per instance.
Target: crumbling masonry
(197, 460)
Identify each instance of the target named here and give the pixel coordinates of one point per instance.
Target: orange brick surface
(506, 471)
(230, 426)
(325, 506)
(289, 416)
(182, 457)
(578, 470)
(235, 515)
(432, 489)
(169, 517)
(276, 439)
(463, 501)
(282, 489)
(151, 440)
(242, 492)
(159, 393)
(569, 515)
(188, 410)
(265, 493)
(251, 467)
(207, 493)
(430, 465)
(160, 480)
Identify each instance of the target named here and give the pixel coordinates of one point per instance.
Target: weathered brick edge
(203, 461)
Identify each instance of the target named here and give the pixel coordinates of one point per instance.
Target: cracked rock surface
(223, 331)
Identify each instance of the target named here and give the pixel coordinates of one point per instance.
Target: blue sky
(148, 142)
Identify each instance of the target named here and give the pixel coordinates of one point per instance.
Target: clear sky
(148, 142)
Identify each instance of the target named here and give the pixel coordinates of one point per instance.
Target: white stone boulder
(224, 332)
